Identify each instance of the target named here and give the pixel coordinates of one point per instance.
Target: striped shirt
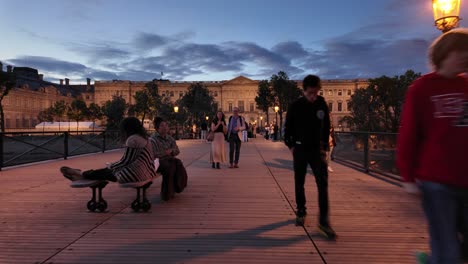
(162, 144)
(137, 163)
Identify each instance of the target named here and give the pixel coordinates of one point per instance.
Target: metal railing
(368, 151)
(18, 148)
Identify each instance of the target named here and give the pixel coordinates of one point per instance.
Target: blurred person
(432, 145)
(218, 146)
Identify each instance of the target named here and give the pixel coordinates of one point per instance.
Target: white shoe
(330, 169)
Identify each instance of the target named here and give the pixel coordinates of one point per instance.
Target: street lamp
(261, 121)
(176, 110)
(446, 14)
(206, 117)
(276, 121)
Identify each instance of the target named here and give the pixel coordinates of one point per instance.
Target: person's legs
(167, 167)
(232, 146)
(238, 147)
(300, 170)
(440, 206)
(319, 168)
(104, 174)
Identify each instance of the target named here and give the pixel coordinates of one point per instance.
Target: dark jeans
(100, 174)
(168, 168)
(446, 210)
(234, 146)
(313, 157)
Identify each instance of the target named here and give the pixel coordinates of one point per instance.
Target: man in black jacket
(307, 130)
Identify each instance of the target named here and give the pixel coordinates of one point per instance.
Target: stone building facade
(33, 94)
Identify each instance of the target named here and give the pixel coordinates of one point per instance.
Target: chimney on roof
(9, 68)
(41, 77)
(88, 81)
(67, 81)
(61, 81)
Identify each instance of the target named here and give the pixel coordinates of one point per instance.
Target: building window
(321, 93)
(252, 107)
(216, 93)
(340, 93)
(241, 106)
(340, 106)
(87, 97)
(172, 94)
(230, 107)
(8, 122)
(349, 92)
(330, 106)
(18, 122)
(181, 94)
(330, 92)
(348, 106)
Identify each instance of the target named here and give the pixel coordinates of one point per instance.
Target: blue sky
(217, 40)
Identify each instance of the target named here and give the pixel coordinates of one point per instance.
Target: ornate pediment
(241, 80)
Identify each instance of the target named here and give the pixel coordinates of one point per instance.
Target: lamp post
(446, 14)
(276, 122)
(206, 117)
(176, 110)
(261, 122)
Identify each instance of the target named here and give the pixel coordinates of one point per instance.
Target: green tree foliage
(45, 115)
(7, 82)
(264, 98)
(77, 111)
(284, 92)
(378, 106)
(114, 111)
(59, 109)
(197, 103)
(147, 102)
(94, 113)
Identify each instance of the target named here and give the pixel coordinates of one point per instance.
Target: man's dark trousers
(234, 145)
(304, 156)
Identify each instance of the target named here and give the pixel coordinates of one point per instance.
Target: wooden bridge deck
(240, 215)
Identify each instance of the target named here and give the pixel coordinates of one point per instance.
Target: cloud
(148, 41)
(48, 64)
(290, 49)
(100, 52)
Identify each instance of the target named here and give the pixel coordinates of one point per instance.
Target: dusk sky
(216, 39)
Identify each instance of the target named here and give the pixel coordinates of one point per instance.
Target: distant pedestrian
(235, 128)
(218, 146)
(204, 130)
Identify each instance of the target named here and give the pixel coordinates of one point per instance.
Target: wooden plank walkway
(224, 216)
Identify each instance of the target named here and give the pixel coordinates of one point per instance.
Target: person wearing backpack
(235, 128)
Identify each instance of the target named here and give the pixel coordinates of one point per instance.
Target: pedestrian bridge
(243, 215)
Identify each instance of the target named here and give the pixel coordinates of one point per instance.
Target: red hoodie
(433, 138)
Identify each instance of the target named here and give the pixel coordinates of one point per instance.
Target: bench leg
(97, 202)
(141, 202)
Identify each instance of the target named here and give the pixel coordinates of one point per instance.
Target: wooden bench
(97, 202)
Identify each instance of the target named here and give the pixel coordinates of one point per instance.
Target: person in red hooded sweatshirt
(433, 145)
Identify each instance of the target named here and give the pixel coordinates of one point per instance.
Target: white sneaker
(330, 169)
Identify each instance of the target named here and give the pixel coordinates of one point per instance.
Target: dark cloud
(290, 49)
(48, 64)
(100, 52)
(147, 41)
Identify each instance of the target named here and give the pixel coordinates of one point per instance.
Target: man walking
(307, 130)
(235, 128)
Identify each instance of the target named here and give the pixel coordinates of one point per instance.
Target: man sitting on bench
(171, 168)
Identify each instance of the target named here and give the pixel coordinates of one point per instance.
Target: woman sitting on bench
(136, 165)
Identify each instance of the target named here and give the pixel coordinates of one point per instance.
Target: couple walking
(233, 130)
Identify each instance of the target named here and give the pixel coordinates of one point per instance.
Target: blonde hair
(454, 40)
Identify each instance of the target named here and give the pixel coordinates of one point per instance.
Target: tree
(94, 113)
(77, 111)
(7, 82)
(44, 116)
(378, 107)
(264, 98)
(114, 110)
(198, 103)
(146, 101)
(59, 110)
(284, 93)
